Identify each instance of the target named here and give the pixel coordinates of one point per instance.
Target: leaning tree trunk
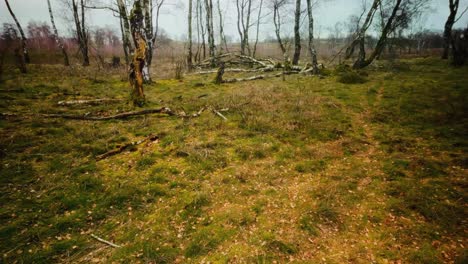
(297, 34)
(453, 5)
(136, 75)
(277, 23)
(258, 29)
(361, 34)
(359, 64)
(189, 48)
(311, 46)
(59, 42)
(24, 41)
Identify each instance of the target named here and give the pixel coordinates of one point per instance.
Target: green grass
(309, 169)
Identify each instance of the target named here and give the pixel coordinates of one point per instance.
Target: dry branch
(105, 241)
(122, 148)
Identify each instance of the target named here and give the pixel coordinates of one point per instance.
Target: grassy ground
(307, 170)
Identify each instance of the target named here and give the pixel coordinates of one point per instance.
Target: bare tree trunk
(453, 6)
(82, 35)
(136, 76)
(297, 34)
(258, 28)
(277, 22)
(59, 42)
(382, 40)
(189, 48)
(311, 46)
(209, 26)
(24, 41)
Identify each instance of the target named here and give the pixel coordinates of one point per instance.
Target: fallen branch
(105, 241)
(162, 110)
(88, 102)
(260, 77)
(219, 114)
(122, 148)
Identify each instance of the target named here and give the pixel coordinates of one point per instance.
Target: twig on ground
(105, 241)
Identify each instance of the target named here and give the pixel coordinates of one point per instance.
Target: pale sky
(173, 19)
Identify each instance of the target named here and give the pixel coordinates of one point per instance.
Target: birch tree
(210, 29)
(311, 45)
(24, 41)
(57, 38)
(81, 31)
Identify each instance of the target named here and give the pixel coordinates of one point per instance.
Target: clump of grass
(308, 224)
(310, 166)
(281, 247)
(206, 239)
(146, 162)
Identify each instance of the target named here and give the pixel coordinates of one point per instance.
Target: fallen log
(88, 102)
(122, 148)
(260, 77)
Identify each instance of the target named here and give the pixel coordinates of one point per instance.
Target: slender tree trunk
(209, 26)
(258, 28)
(453, 6)
(277, 23)
(222, 36)
(197, 16)
(203, 30)
(382, 40)
(297, 34)
(81, 33)
(311, 45)
(247, 27)
(24, 41)
(59, 42)
(85, 35)
(189, 48)
(240, 19)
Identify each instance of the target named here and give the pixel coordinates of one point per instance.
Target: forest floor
(305, 170)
